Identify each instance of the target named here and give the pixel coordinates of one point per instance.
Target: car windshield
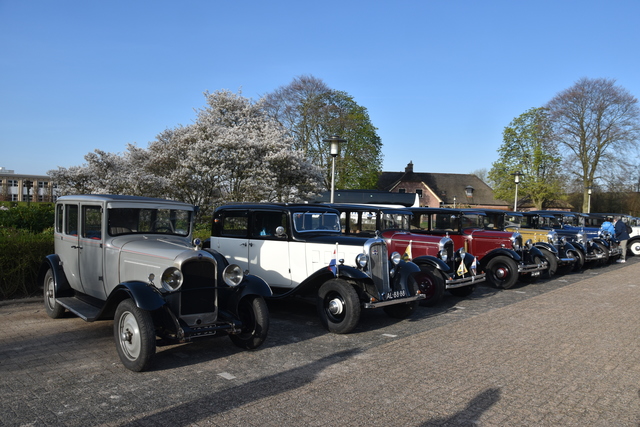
(306, 222)
(515, 221)
(146, 220)
(492, 221)
(395, 221)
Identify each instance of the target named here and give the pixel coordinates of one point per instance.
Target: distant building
(441, 189)
(22, 188)
(370, 197)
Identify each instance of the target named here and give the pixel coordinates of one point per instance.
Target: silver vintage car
(131, 259)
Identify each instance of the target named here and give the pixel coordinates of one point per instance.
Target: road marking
(226, 376)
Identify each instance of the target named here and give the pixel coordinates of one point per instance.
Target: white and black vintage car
(131, 259)
(300, 250)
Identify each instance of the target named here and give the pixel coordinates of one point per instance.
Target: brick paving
(568, 356)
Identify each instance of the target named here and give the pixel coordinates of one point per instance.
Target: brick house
(441, 189)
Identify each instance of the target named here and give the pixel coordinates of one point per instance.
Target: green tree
(527, 147)
(311, 112)
(596, 128)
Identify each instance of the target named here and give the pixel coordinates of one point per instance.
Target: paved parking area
(557, 352)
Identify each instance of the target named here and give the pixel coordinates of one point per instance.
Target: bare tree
(596, 126)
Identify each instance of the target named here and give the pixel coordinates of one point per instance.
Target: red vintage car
(502, 255)
(442, 267)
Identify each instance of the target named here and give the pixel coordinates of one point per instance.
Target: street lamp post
(589, 199)
(516, 179)
(334, 142)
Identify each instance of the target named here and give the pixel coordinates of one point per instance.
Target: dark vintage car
(604, 247)
(131, 259)
(561, 255)
(299, 249)
(502, 255)
(457, 271)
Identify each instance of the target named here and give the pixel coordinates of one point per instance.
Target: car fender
(547, 246)
(431, 261)
(63, 289)
(145, 296)
(499, 252)
(534, 251)
(580, 247)
(230, 297)
(311, 284)
(403, 271)
(602, 241)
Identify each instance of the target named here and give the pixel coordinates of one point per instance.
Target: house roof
(443, 185)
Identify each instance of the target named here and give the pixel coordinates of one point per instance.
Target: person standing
(622, 236)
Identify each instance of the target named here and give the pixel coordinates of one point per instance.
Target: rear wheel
(502, 272)
(429, 284)
(135, 336)
(338, 306)
(254, 315)
(51, 306)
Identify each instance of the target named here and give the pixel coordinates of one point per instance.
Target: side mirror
(280, 231)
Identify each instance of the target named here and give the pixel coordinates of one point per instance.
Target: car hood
(161, 247)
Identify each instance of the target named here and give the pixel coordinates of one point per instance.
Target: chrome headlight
(516, 241)
(580, 238)
(232, 275)
(395, 258)
(362, 260)
(529, 244)
(552, 237)
(462, 253)
(172, 279)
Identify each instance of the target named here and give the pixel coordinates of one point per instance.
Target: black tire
(135, 336)
(634, 247)
(51, 306)
(338, 306)
(579, 264)
(530, 277)
(502, 272)
(602, 248)
(254, 314)
(462, 292)
(552, 260)
(404, 309)
(430, 284)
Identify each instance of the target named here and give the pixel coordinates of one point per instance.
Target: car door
(67, 242)
(232, 237)
(90, 250)
(268, 250)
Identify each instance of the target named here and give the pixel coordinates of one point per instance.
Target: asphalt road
(557, 352)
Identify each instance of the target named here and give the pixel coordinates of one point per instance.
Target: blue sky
(440, 79)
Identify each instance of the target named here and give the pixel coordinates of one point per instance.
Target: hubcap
(130, 336)
(336, 306)
(502, 272)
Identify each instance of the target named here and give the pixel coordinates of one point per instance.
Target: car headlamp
(395, 258)
(172, 279)
(362, 260)
(232, 275)
(529, 244)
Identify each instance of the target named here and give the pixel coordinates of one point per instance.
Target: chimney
(409, 168)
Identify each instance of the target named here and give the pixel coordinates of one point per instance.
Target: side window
(71, 220)
(234, 224)
(92, 222)
(265, 224)
(59, 218)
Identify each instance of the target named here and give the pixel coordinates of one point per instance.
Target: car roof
(366, 207)
(278, 206)
(116, 198)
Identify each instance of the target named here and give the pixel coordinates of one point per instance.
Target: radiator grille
(198, 293)
(379, 259)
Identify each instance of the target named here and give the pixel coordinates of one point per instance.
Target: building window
(12, 183)
(419, 193)
(402, 190)
(42, 184)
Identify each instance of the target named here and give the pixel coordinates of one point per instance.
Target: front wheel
(502, 272)
(634, 247)
(254, 315)
(579, 261)
(553, 264)
(430, 284)
(602, 249)
(338, 306)
(51, 306)
(135, 336)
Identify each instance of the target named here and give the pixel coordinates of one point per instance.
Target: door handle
(76, 247)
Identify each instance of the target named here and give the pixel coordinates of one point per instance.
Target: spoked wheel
(254, 315)
(338, 306)
(51, 306)
(502, 272)
(430, 284)
(135, 336)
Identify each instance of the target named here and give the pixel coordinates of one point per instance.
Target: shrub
(21, 254)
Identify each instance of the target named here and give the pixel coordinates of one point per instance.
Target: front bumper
(376, 304)
(461, 282)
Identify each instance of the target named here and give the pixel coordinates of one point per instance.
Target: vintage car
(633, 245)
(560, 254)
(574, 222)
(299, 249)
(456, 271)
(131, 259)
(589, 252)
(502, 255)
